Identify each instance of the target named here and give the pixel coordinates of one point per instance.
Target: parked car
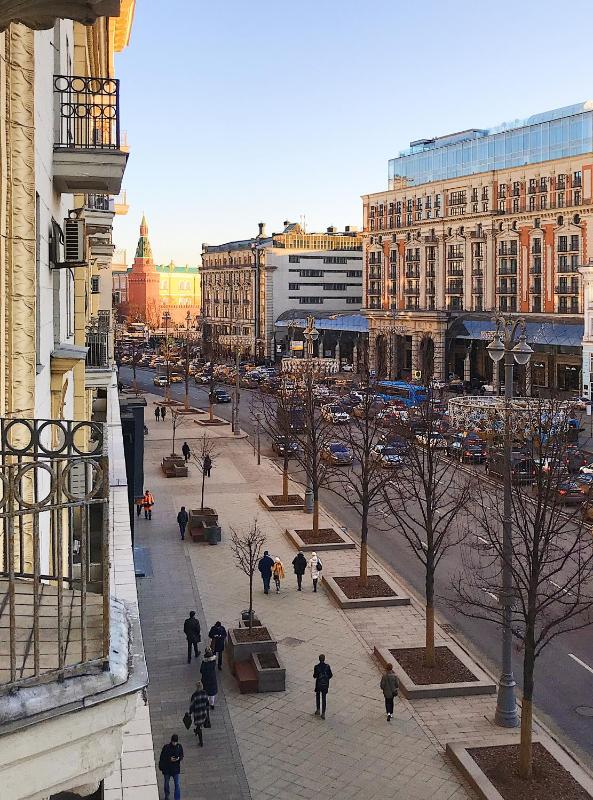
(335, 414)
(436, 440)
(585, 483)
(220, 396)
(523, 469)
(160, 380)
(347, 368)
(337, 453)
(569, 493)
(177, 378)
(389, 457)
(202, 378)
(284, 445)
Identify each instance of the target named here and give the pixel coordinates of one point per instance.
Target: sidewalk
(286, 752)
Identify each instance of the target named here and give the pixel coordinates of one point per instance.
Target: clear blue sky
(240, 111)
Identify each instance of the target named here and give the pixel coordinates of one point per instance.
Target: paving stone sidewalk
(286, 752)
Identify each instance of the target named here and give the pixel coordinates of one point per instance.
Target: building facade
(478, 222)
(153, 289)
(72, 665)
(248, 284)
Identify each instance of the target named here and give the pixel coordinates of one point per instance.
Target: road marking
(582, 663)
(490, 594)
(485, 541)
(564, 590)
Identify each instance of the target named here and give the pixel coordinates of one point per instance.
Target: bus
(409, 394)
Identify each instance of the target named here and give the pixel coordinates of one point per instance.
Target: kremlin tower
(144, 282)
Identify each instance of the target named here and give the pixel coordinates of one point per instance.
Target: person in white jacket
(314, 566)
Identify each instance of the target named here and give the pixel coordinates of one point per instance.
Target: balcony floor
(48, 629)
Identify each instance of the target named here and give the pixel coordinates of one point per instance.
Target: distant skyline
(240, 113)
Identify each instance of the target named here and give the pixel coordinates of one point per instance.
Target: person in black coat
(191, 628)
(208, 673)
(265, 567)
(182, 520)
(217, 636)
(322, 674)
(186, 451)
(170, 765)
(299, 563)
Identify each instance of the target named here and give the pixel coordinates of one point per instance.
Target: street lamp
(505, 345)
(311, 335)
(188, 319)
(167, 320)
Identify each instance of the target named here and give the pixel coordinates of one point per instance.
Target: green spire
(144, 250)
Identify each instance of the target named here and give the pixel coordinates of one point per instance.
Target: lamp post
(236, 428)
(188, 319)
(506, 345)
(311, 335)
(167, 320)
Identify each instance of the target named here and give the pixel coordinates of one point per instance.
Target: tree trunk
(250, 601)
(210, 409)
(285, 481)
(429, 652)
(315, 513)
(173, 448)
(203, 481)
(364, 534)
(525, 747)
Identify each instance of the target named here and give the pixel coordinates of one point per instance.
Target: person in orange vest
(147, 504)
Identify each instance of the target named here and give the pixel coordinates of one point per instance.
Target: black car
(467, 448)
(284, 445)
(220, 396)
(523, 468)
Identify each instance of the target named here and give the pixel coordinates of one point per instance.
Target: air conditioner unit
(74, 241)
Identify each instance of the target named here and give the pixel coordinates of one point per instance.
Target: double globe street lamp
(311, 334)
(513, 349)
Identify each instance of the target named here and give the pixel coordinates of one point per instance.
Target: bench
(246, 676)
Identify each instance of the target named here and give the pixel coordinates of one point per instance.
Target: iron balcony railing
(97, 341)
(87, 113)
(54, 550)
(99, 202)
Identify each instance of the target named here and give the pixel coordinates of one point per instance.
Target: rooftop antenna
(304, 223)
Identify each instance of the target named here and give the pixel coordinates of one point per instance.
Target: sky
(247, 111)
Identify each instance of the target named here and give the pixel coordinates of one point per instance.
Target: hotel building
(477, 222)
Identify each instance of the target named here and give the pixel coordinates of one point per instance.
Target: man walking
(147, 504)
(389, 687)
(163, 412)
(157, 413)
(322, 674)
(170, 765)
(299, 564)
(139, 505)
(198, 708)
(191, 628)
(207, 465)
(217, 636)
(182, 520)
(186, 451)
(265, 567)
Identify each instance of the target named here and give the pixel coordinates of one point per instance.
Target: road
(564, 672)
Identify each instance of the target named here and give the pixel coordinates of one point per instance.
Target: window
(474, 195)
(335, 260)
(543, 202)
(502, 204)
(532, 203)
(293, 260)
(95, 284)
(408, 219)
(576, 178)
(457, 198)
(561, 182)
(502, 190)
(312, 273)
(562, 244)
(334, 287)
(485, 193)
(560, 200)
(532, 186)
(515, 205)
(309, 301)
(409, 205)
(354, 273)
(574, 242)
(398, 207)
(577, 198)
(294, 287)
(354, 301)
(516, 189)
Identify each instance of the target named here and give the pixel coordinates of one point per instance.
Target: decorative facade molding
(42, 14)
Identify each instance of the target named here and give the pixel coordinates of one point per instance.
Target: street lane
(562, 683)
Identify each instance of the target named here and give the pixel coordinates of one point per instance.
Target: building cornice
(42, 14)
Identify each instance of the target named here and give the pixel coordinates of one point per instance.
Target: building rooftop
(172, 267)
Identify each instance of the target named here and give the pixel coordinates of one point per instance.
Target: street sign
(417, 374)
(489, 335)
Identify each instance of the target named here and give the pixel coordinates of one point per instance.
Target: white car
(587, 469)
(347, 368)
(335, 414)
(437, 442)
(160, 380)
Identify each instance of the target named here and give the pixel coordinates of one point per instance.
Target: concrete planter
(264, 499)
(345, 542)
(457, 752)
(270, 679)
(242, 651)
(413, 691)
(400, 599)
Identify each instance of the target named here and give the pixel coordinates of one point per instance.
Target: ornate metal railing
(87, 113)
(54, 581)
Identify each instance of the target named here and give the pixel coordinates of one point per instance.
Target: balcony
(42, 14)
(413, 291)
(99, 361)
(535, 269)
(507, 270)
(431, 239)
(455, 271)
(535, 289)
(477, 272)
(454, 288)
(574, 268)
(412, 273)
(87, 150)
(567, 288)
(505, 288)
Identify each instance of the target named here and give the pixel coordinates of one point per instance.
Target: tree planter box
(399, 599)
(205, 423)
(413, 691)
(269, 679)
(174, 467)
(206, 516)
(242, 651)
(269, 505)
(459, 755)
(344, 543)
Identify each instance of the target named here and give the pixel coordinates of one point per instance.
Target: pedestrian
(217, 636)
(147, 504)
(163, 412)
(208, 673)
(389, 687)
(170, 765)
(157, 413)
(299, 564)
(191, 628)
(315, 566)
(198, 708)
(278, 573)
(186, 451)
(207, 465)
(265, 567)
(139, 505)
(322, 674)
(182, 520)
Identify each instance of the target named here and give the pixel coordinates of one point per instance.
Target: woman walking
(299, 564)
(389, 687)
(315, 567)
(208, 673)
(198, 708)
(278, 573)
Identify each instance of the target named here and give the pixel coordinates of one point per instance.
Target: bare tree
(550, 559)
(247, 549)
(176, 417)
(205, 452)
(363, 485)
(427, 501)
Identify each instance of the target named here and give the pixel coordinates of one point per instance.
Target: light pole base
(506, 715)
(308, 505)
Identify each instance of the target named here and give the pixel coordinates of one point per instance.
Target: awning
(356, 323)
(554, 333)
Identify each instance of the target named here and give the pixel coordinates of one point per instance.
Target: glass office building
(554, 134)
